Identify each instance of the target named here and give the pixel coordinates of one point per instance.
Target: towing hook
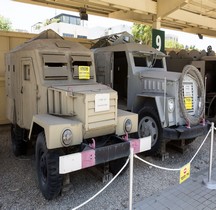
(126, 137)
(93, 144)
(188, 124)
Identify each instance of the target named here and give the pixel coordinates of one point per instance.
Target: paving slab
(191, 194)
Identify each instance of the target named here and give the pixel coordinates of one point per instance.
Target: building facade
(65, 25)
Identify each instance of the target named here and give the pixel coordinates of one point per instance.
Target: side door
(120, 74)
(28, 92)
(104, 68)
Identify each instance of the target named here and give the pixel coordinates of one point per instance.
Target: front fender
(54, 127)
(156, 101)
(122, 116)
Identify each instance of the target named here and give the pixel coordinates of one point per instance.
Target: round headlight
(171, 105)
(67, 138)
(128, 125)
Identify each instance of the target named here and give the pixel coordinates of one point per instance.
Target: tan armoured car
(54, 101)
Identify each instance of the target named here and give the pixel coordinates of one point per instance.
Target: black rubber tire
(149, 124)
(19, 146)
(116, 165)
(47, 166)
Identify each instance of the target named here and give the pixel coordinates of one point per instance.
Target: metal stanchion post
(209, 183)
(211, 152)
(131, 179)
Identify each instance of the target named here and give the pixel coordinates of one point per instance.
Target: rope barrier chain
(174, 169)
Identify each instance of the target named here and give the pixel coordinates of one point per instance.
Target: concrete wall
(8, 41)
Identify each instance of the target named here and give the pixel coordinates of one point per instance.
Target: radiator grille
(153, 85)
(59, 103)
(103, 118)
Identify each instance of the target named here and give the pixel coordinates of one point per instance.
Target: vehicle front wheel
(149, 125)
(47, 166)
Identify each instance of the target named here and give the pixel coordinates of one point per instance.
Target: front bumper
(91, 157)
(182, 132)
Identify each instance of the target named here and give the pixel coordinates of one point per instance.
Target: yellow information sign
(188, 102)
(84, 72)
(184, 173)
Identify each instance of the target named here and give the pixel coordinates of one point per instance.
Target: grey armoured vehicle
(54, 101)
(170, 105)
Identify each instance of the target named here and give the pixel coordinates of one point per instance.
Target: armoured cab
(54, 76)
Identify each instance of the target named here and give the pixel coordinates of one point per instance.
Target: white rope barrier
(160, 167)
(174, 169)
(103, 187)
(200, 146)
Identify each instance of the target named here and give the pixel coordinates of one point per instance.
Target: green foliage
(49, 21)
(173, 44)
(5, 24)
(37, 27)
(142, 33)
(191, 47)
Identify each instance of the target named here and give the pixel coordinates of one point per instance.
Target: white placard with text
(102, 102)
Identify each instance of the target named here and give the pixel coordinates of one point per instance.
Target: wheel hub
(148, 126)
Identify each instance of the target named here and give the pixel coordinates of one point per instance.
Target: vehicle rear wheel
(47, 165)
(149, 124)
(19, 146)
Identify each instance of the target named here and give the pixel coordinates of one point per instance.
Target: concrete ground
(191, 194)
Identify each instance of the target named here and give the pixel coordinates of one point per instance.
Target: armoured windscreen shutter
(82, 67)
(55, 67)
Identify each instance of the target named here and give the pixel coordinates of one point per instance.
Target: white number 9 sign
(158, 42)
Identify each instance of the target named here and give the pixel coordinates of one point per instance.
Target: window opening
(26, 69)
(144, 60)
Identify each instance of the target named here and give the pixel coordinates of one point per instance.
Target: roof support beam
(156, 23)
(166, 7)
(93, 8)
(188, 17)
(148, 6)
(130, 16)
(206, 32)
